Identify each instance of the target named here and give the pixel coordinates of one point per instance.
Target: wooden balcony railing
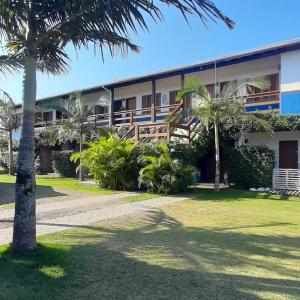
(263, 98)
(155, 114)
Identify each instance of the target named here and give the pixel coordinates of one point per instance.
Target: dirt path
(58, 216)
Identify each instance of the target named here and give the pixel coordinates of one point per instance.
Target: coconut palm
(227, 103)
(9, 122)
(35, 34)
(76, 111)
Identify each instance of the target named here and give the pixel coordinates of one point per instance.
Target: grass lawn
(47, 187)
(233, 245)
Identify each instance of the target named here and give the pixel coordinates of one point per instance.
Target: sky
(173, 43)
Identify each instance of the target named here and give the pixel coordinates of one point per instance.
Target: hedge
(250, 167)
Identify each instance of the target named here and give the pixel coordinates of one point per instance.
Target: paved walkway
(58, 216)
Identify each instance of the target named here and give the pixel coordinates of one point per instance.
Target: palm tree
(228, 103)
(9, 122)
(77, 112)
(35, 34)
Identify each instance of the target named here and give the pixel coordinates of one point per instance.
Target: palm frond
(9, 64)
(240, 87)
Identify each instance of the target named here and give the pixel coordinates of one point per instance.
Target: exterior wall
(137, 90)
(94, 98)
(262, 67)
(285, 64)
(290, 83)
(272, 141)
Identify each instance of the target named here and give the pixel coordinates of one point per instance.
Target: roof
(222, 61)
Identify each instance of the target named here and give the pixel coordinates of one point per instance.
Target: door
(130, 105)
(118, 106)
(48, 116)
(288, 154)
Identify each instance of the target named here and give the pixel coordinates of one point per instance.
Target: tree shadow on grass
(230, 195)
(7, 192)
(158, 258)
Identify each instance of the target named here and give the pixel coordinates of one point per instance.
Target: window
(131, 103)
(100, 110)
(211, 89)
(147, 102)
(60, 115)
(172, 97)
(48, 116)
(274, 86)
(187, 102)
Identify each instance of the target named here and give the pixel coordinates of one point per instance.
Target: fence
(286, 179)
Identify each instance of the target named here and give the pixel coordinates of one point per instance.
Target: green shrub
(250, 167)
(62, 164)
(111, 161)
(163, 174)
(37, 164)
(4, 160)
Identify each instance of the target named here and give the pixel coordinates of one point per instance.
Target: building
(143, 102)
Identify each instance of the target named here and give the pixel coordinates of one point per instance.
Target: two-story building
(145, 101)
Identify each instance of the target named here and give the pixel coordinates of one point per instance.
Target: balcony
(267, 101)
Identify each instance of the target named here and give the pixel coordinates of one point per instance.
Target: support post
(153, 101)
(182, 80)
(169, 133)
(131, 117)
(153, 113)
(137, 133)
(111, 107)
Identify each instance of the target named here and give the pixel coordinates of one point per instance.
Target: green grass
(231, 245)
(141, 197)
(47, 187)
(60, 183)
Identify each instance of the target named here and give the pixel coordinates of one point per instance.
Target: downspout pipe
(110, 120)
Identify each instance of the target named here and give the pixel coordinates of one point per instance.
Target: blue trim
(146, 119)
(190, 69)
(262, 107)
(290, 103)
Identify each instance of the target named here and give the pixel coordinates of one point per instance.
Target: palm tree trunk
(11, 170)
(24, 234)
(217, 150)
(81, 175)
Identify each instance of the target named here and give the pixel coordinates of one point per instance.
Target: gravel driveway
(54, 216)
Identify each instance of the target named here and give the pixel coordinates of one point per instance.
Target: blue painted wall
(262, 107)
(290, 103)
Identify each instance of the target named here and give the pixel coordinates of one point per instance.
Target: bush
(37, 164)
(112, 162)
(4, 160)
(162, 174)
(250, 167)
(62, 164)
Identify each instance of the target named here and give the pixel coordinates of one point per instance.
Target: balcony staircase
(176, 127)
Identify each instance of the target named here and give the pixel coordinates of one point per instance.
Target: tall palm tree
(212, 109)
(77, 112)
(9, 122)
(35, 34)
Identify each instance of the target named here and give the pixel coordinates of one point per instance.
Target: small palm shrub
(111, 161)
(163, 174)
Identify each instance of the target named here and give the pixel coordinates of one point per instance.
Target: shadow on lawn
(156, 259)
(230, 194)
(7, 192)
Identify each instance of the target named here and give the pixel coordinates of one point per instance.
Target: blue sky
(173, 43)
